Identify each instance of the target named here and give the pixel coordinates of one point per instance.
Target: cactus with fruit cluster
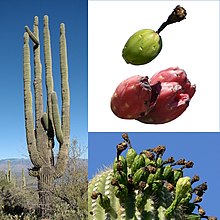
(40, 137)
(145, 186)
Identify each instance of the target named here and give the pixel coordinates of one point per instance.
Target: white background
(192, 44)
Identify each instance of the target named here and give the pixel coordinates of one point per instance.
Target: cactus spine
(40, 137)
(153, 191)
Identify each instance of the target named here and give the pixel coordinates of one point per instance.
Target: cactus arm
(32, 35)
(37, 78)
(49, 77)
(65, 120)
(56, 118)
(47, 56)
(49, 87)
(39, 129)
(29, 122)
(44, 121)
(64, 83)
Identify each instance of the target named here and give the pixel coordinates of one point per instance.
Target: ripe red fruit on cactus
(174, 96)
(134, 97)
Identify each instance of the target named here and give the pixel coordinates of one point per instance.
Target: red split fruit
(133, 98)
(161, 99)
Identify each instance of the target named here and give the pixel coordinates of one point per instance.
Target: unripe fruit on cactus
(130, 156)
(133, 97)
(144, 45)
(174, 96)
(141, 198)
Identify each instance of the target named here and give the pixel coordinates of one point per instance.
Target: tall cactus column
(40, 137)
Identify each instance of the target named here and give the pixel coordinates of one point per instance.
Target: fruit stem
(178, 14)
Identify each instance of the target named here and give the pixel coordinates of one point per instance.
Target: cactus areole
(144, 45)
(40, 138)
(145, 186)
(161, 99)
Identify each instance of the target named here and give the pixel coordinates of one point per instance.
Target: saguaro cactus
(40, 138)
(145, 187)
(23, 179)
(9, 174)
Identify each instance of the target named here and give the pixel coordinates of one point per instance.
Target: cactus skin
(142, 47)
(141, 199)
(133, 97)
(40, 138)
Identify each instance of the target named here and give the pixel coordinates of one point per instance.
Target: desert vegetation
(68, 194)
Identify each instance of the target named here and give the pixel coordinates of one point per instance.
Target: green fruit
(131, 154)
(159, 162)
(177, 174)
(159, 174)
(150, 178)
(167, 172)
(120, 164)
(140, 175)
(142, 47)
(121, 177)
(156, 186)
(139, 162)
(121, 192)
(149, 162)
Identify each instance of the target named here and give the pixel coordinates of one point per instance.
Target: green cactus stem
(155, 189)
(40, 133)
(31, 35)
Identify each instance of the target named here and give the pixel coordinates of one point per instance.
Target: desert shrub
(69, 193)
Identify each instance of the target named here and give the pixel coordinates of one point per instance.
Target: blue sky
(201, 148)
(14, 15)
